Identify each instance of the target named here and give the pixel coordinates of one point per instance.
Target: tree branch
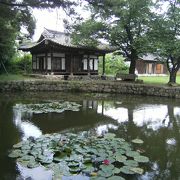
(20, 4)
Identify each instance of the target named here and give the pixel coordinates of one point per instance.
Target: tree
(114, 64)
(124, 24)
(166, 36)
(17, 14)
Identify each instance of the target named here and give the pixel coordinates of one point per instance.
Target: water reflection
(22, 121)
(38, 173)
(157, 124)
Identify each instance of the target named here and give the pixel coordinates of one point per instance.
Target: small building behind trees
(54, 53)
(150, 64)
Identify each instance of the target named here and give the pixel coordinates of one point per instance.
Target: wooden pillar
(36, 63)
(71, 65)
(88, 65)
(103, 72)
(46, 60)
(51, 60)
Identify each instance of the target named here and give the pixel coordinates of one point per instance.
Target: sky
(53, 19)
(50, 19)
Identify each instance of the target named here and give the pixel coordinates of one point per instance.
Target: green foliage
(114, 64)
(126, 25)
(91, 30)
(165, 36)
(20, 64)
(83, 153)
(17, 14)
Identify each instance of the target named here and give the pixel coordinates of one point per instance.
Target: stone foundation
(90, 86)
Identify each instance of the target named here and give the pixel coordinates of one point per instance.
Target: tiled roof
(150, 57)
(62, 39)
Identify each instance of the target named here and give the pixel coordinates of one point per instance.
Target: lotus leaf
(87, 160)
(105, 174)
(131, 163)
(121, 158)
(75, 177)
(115, 178)
(141, 159)
(46, 161)
(81, 153)
(57, 107)
(32, 164)
(22, 163)
(105, 168)
(109, 136)
(127, 170)
(27, 158)
(15, 154)
(111, 159)
(137, 170)
(116, 171)
(88, 170)
(137, 141)
(74, 170)
(132, 153)
(18, 145)
(73, 164)
(97, 178)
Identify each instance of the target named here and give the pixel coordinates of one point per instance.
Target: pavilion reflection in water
(159, 124)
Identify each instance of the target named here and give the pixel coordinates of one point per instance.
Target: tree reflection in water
(158, 126)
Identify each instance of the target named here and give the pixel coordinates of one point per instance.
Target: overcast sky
(53, 19)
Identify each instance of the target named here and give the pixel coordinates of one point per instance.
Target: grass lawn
(13, 77)
(158, 79)
(146, 79)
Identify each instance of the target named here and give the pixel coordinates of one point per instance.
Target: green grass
(158, 79)
(13, 77)
(146, 79)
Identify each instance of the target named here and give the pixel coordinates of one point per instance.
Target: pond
(154, 120)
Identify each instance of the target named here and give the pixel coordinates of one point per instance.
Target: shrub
(113, 64)
(21, 64)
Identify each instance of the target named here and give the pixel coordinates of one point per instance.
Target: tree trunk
(133, 59)
(132, 67)
(173, 67)
(172, 76)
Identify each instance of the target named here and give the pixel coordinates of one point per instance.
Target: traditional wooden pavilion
(54, 53)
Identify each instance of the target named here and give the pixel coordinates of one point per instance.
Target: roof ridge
(54, 31)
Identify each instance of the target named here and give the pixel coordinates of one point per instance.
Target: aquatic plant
(99, 157)
(56, 106)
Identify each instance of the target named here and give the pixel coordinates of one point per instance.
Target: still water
(154, 120)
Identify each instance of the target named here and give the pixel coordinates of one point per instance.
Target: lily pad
(141, 159)
(18, 145)
(115, 178)
(121, 158)
(32, 164)
(131, 163)
(106, 168)
(116, 171)
(67, 154)
(137, 141)
(109, 136)
(15, 154)
(137, 170)
(127, 170)
(105, 174)
(132, 153)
